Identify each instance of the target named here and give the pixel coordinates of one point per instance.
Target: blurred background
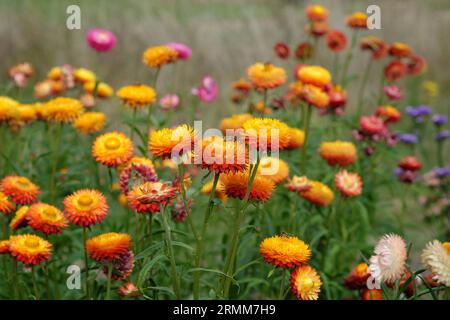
(226, 36)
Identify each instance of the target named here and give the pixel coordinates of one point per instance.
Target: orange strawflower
(314, 96)
(137, 96)
(234, 122)
(306, 283)
(220, 192)
(235, 186)
(156, 57)
(6, 205)
(357, 20)
(4, 246)
(84, 75)
(108, 246)
(86, 207)
(357, 279)
(162, 143)
(20, 189)
(376, 46)
(296, 138)
(317, 193)
(315, 75)
(410, 163)
(340, 153)
(316, 12)
(148, 197)
(90, 122)
(242, 85)
(223, 156)
(260, 132)
(112, 149)
(132, 198)
(400, 50)
(372, 294)
(274, 169)
(285, 251)
(20, 218)
(416, 65)
(63, 109)
(29, 249)
(388, 113)
(298, 184)
(317, 28)
(266, 76)
(46, 218)
(336, 41)
(348, 183)
(8, 108)
(103, 89)
(395, 70)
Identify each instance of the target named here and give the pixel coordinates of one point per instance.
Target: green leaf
(147, 267)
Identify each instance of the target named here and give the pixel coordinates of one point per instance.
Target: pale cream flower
(436, 258)
(388, 262)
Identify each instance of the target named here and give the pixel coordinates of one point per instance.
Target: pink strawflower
(169, 102)
(207, 91)
(101, 40)
(184, 52)
(388, 262)
(393, 92)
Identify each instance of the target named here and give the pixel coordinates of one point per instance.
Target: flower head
(285, 251)
(408, 138)
(395, 70)
(316, 12)
(169, 143)
(376, 46)
(439, 119)
(137, 169)
(4, 246)
(416, 65)
(393, 92)
(122, 267)
(298, 184)
(266, 133)
(6, 205)
(137, 96)
(357, 20)
(304, 51)
(410, 163)
(128, 290)
(155, 192)
(296, 138)
(169, 102)
(112, 149)
(388, 113)
(20, 218)
(266, 76)
(84, 75)
(388, 261)
(156, 57)
(400, 50)
(207, 91)
(348, 183)
(442, 135)
(101, 40)
(336, 41)
(63, 109)
(29, 249)
(372, 125)
(108, 246)
(357, 279)
(372, 294)
(314, 96)
(234, 122)
(317, 193)
(436, 257)
(305, 283)
(7, 108)
(184, 52)
(86, 207)
(235, 186)
(340, 153)
(90, 122)
(273, 168)
(46, 218)
(282, 50)
(20, 189)
(315, 75)
(220, 192)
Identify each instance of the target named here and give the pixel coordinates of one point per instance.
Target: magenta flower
(393, 92)
(169, 102)
(184, 52)
(207, 91)
(101, 40)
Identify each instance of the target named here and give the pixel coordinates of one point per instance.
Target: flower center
(85, 200)
(112, 143)
(32, 243)
(49, 213)
(306, 284)
(23, 181)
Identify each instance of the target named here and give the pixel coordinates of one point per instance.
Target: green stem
(86, 264)
(173, 266)
(35, 288)
(304, 158)
(201, 238)
(15, 280)
(363, 86)
(283, 279)
(108, 288)
(349, 57)
(56, 138)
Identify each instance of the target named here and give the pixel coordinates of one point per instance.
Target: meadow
(338, 183)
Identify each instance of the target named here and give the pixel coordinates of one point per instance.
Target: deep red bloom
(336, 41)
(410, 163)
(395, 70)
(282, 50)
(371, 125)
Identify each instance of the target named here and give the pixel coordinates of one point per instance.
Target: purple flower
(207, 91)
(442, 172)
(101, 40)
(444, 134)
(417, 112)
(424, 110)
(398, 171)
(412, 111)
(439, 119)
(408, 138)
(184, 52)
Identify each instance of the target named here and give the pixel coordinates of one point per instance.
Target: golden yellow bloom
(112, 149)
(86, 207)
(20, 189)
(155, 57)
(234, 122)
(63, 109)
(137, 96)
(261, 131)
(104, 90)
(163, 142)
(46, 218)
(20, 218)
(235, 186)
(55, 73)
(340, 153)
(4, 246)
(6, 205)
(220, 192)
(357, 20)
(315, 96)
(316, 13)
(317, 193)
(90, 122)
(29, 249)
(266, 76)
(273, 168)
(296, 138)
(285, 251)
(306, 283)
(316, 75)
(84, 75)
(7, 108)
(108, 246)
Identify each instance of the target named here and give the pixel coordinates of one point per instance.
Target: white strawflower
(436, 257)
(388, 262)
